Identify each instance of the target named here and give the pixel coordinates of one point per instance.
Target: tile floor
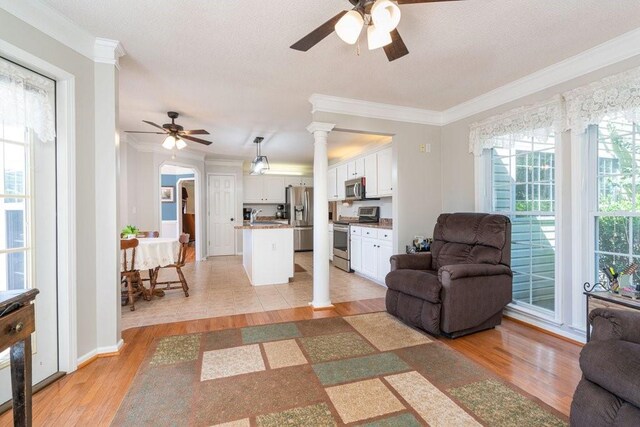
(219, 287)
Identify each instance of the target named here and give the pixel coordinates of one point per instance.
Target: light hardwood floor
(541, 364)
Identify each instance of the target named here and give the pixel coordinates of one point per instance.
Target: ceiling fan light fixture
(169, 142)
(385, 15)
(350, 26)
(180, 144)
(377, 37)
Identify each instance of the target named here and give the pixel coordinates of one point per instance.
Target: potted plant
(129, 232)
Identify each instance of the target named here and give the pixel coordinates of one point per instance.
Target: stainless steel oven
(341, 247)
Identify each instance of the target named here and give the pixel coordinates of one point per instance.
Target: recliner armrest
(419, 261)
(615, 324)
(459, 271)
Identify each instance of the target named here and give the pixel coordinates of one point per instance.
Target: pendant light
(350, 26)
(385, 15)
(260, 164)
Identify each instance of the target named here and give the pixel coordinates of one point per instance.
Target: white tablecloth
(155, 252)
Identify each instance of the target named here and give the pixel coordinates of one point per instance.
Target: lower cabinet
(370, 252)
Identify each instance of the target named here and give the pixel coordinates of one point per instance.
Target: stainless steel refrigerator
(300, 213)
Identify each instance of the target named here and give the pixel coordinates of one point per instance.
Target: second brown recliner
(463, 284)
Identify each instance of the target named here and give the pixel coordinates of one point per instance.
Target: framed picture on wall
(167, 194)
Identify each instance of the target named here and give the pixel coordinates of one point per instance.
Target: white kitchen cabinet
(355, 168)
(332, 184)
(371, 173)
(264, 189)
(369, 263)
(385, 251)
(299, 181)
(274, 189)
(356, 252)
(253, 188)
(341, 177)
(385, 164)
(371, 249)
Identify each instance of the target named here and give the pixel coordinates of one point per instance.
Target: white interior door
(28, 241)
(222, 220)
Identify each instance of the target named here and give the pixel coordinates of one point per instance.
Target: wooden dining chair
(182, 255)
(148, 234)
(130, 276)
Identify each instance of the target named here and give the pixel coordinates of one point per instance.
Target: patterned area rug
(365, 370)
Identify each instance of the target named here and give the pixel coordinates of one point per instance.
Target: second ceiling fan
(381, 17)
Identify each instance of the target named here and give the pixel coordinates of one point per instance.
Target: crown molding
(107, 51)
(608, 53)
(374, 110)
(146, 147)
(54, 24)
(224, 162)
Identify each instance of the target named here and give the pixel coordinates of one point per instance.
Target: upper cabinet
(264, 189)
(355, 168)
(299, 181)
(376, 167)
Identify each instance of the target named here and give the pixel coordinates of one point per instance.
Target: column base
(321, 306)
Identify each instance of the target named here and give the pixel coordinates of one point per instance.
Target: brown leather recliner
(463, 284)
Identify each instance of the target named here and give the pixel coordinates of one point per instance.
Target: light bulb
(180, 144)
(169, 142)
(377, 38)
(385, 15)
(350, 26)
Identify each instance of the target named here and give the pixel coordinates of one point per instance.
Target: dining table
(152, 253)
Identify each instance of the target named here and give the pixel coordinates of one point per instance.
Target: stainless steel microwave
(355, 189)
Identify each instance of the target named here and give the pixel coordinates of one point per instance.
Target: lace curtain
(535, 121)
(615, 96)
(27, 100)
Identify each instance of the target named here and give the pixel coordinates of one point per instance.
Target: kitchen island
(267, 252)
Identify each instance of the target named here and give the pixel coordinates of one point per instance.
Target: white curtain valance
(27, 100)
(534, 121)
(615, 96)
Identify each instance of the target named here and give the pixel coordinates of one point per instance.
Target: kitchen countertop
(261, 226)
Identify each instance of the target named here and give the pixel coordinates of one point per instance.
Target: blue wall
(169, 210)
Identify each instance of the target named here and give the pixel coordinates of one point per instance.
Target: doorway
(28, 223)
(222, 215)
(179, 202)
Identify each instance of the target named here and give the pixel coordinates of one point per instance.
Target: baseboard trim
(554, 331)
(100, 352)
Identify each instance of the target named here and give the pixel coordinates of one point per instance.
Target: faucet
(254, 215)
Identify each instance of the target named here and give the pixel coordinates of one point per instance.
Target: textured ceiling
(226, 66)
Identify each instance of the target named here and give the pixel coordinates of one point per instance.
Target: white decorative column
(106, 69)
(321, 297)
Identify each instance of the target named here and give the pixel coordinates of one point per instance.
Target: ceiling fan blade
(198, 140)
(193, 132)
(396, 49)
(139, 131)
(317, 35)
(421, 1)
(153, 124)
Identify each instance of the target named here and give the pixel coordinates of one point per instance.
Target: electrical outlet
(428, 148)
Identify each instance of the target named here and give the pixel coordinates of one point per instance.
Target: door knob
(231, 219)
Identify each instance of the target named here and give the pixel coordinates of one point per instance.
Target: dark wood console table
(608, 300)
(17, 323)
